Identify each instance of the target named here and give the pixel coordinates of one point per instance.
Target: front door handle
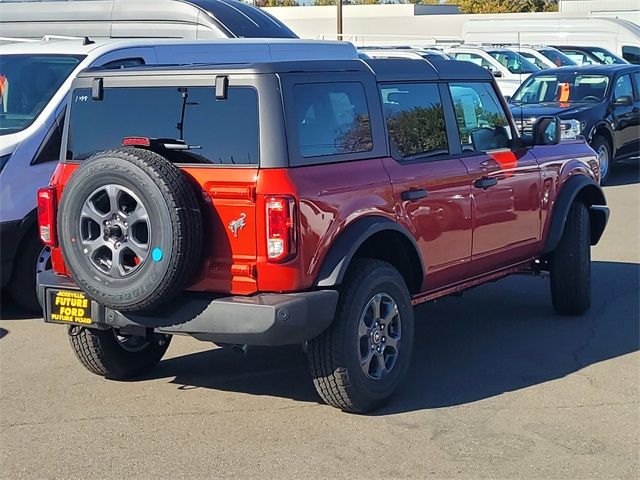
(485, 182)
(413, 195)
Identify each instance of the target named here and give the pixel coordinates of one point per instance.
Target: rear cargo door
(219, 151)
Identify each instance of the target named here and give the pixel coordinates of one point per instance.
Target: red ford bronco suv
(312, 202)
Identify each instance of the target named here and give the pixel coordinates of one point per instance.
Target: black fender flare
(603, 125)
(577, 188)
(336, 262)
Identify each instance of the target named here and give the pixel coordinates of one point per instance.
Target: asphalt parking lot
(500, 387)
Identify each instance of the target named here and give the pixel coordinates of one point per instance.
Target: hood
(562, 110)
(9, 143)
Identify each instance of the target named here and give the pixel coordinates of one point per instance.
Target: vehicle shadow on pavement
(506, 336)
(624, 173)
(498, 338)
(274, 371)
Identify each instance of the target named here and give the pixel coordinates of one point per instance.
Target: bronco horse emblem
(236, 225)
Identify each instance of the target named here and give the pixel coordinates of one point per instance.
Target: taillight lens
(47, 215)
(281, 228)
(136, 142)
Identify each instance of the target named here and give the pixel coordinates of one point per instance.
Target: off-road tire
(22, 286)
(597, 143)
(571, 264)
(174, 214)
(100, 352)
(333, 355)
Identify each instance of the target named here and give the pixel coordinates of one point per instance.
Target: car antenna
(87, 41)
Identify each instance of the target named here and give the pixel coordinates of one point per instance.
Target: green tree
(276, 3)
(506, 6)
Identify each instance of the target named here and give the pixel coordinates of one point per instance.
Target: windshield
(605, 56)
(513, 61)
(557, 57)
(27, 83)
(562, 88)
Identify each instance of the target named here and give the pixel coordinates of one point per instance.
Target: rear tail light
(281, 228)
(47, 215)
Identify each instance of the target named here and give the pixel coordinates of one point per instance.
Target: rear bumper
(263, 319)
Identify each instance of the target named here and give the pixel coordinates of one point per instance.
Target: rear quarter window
(331, 119)
(219, 132)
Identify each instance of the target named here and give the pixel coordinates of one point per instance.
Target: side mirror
(546, 131)
(507, 98)
(497, 73)
(623, 101)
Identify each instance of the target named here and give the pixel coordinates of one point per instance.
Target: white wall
(624, 9)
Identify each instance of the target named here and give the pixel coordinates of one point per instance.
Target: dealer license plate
(68, 306)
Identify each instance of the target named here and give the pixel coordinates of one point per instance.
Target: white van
(192, 19)
(35, 78)
(619, 36)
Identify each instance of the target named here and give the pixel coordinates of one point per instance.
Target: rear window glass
(332, 119)
(221, 132)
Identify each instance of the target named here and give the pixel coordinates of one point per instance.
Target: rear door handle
(413, 195)
(485, 182)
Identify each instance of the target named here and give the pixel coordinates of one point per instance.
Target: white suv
(509, 67)
(35, 78)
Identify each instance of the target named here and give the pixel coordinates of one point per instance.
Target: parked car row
(511, 64)
(595, 93)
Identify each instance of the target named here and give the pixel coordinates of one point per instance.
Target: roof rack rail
(17, 40)
(51, 38)
(424, 40)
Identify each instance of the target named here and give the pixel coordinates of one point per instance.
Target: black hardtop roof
(406, 69)
(384, 69)
(291, 66)
(609, 69)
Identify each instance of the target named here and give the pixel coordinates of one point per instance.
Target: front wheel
(112, 354)
(360, 360)
(571, 264)
(603, 150)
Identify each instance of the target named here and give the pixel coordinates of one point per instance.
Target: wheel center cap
(115, 231)
(376, 336)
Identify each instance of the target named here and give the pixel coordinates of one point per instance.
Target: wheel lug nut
(384, 339)
(382, 327)
(117, 244)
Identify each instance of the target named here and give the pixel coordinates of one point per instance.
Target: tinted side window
(331, 119)
(631, 54)
(636, 76)
(415, 119)
(220, 132)
(623, 87)
(482, 122)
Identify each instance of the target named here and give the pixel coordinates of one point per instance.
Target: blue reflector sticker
(156, 254)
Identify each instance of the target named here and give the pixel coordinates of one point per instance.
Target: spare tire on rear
(130, 229)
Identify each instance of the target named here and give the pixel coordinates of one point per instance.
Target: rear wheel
(115, 355)
(571, 265)
(361, 359)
